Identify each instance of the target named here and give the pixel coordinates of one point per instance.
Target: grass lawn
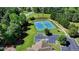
(28, 40)
(76, 24)
(39, 15)
(77, 41)
(56, 31)
(56, 46)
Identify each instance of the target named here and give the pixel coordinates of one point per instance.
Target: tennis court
(42, 25)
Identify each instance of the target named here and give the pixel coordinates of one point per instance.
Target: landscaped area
(39, 28)
(30, 40)
(38, 15)
(77, 41)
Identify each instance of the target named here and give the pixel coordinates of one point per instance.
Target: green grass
(56, 31)
(76, 24)
(56, 46)
(39, 15)
(28, 40)
(77, 40)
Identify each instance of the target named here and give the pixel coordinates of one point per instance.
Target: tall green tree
(73, 30)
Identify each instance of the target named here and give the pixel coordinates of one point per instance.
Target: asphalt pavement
(72, 47)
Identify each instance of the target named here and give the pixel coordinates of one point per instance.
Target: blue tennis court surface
(49, 39)
(49, 25)
(52, 39)
(42, 25)
(39, 26)
(39, 37)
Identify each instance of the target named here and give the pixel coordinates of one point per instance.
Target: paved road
(72, 47)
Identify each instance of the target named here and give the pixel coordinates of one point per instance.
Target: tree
(73, 30)
(10, 25)
(36, 9)
(61, 18)
(53, 16)
(22, 19)
(12, 33)
(63, 41)
(32, 18)
(28, 9)
(17, 19)
(13, 16)
(48, 32)
(2, 12)
(15, 10)
(65, 23)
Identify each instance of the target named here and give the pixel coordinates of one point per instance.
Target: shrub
(32, 18)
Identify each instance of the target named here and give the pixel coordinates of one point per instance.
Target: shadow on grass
(49, 34)
(20, 40)
(66, 44)
(26, 24)
(75, 36)
(25, 28)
